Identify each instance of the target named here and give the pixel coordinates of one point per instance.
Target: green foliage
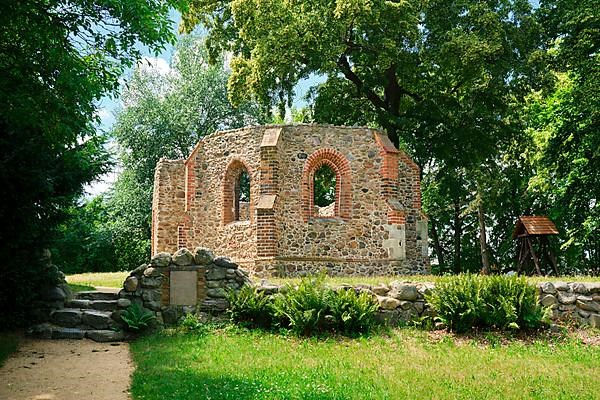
(311, 308)
(9, 342)
(137, 318)
(469, 301)
(324, 184)
(83, 243)
(251, 307)
(57, 59)
(171, 111)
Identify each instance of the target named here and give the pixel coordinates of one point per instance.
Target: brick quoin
(343, 182)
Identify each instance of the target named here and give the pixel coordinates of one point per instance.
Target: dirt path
(65, 370)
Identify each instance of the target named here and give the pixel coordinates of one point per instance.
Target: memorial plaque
(183, 288)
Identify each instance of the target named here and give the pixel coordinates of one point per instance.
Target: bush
(468, 301)
(251, 308)
(313, 308)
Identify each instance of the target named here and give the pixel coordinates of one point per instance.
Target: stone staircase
(89, 315)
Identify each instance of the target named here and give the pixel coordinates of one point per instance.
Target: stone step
(102, 305)
(49, 331)
(84, 319)
(96, 295)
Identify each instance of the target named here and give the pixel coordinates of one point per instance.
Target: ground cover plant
(308, 308)
(233, 363)
(469, 301)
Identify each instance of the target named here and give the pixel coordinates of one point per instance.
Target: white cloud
(156, 64)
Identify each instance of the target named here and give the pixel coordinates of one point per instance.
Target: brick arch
(232, 173)
(343, 182)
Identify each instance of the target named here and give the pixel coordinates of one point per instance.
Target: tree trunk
(485, 261)
(457, 237)
(439, 251)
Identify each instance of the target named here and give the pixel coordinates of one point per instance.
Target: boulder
(183, 257)
(579, 287)
(216, 292)
(563, 286)
(402, 291)
(380, 290)
(162, 259)
(566, 298)
(548, 300)
(54, 293)
(388, 303)
(131, 284)
(123, 303)
(225, 262)
(203, 256)
(151, 282)
(216, 273)
(152, 272)
(548, 287)
(589, 306)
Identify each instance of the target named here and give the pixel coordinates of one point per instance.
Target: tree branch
(344, 66)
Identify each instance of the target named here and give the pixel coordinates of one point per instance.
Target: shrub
(468, 301)
(137, 318)
(251, 308)
(313, 308)
(304, 308)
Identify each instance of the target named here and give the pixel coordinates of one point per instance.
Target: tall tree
(171, 110)
(57, 58)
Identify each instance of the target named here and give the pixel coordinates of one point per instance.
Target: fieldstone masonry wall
(185, 282)
(377, 226)
(174, 285)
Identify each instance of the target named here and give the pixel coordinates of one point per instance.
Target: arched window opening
(237, 205)
(241, 198)
(324, 184)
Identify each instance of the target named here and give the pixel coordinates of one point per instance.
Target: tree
(171, 111)
(57, 58)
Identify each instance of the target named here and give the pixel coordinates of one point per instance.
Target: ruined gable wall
(168, 202)
(205, 209)
(359, 238)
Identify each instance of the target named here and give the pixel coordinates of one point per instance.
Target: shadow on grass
(185, 384)
(80, 288)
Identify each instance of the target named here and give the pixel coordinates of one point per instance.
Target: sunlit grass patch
(404, 364)
(102, 279)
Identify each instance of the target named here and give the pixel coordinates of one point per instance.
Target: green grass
(94, 279)
(408, 364)
(8, 345)
(80, 288)
(375, 280)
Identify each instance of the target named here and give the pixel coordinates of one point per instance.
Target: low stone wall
(186, 282)
(576, 301)
(405, 301)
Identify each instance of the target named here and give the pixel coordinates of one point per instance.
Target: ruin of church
(286, 200)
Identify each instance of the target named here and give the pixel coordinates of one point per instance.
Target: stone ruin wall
(378, 205)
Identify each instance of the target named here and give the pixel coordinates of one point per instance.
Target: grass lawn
(236, 364)
(8, 344)
(89, 281)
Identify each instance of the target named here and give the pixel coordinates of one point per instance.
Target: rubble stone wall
(377, 227)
